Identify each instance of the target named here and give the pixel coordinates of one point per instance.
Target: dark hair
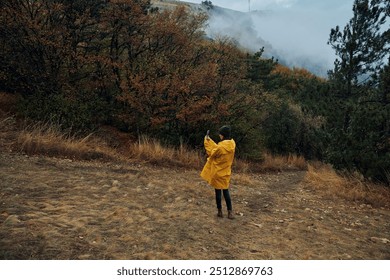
(225, 131)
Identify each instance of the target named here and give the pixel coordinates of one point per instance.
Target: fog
(294, 31)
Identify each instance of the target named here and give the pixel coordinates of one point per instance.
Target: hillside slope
(225, 22)
(242, 27)
(62, 209)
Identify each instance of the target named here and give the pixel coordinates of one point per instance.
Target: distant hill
(240, 26)
(224, 22)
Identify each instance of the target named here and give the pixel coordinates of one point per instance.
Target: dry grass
(282, 163)
(244, 179)
(352, 188)
(152, 151)
(241, 166)
(47, 139)
(6, 123)
(50, 140)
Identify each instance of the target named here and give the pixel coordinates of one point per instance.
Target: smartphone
(208, 132)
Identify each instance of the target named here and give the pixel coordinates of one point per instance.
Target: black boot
(230, 215)
(220, 215)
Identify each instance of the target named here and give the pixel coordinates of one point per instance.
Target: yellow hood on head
(228, 145)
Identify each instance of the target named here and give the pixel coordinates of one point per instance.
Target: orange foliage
(151, 70)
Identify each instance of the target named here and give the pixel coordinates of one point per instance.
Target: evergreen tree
(358, 138)
(259, 68)
(361, 46)
(385, 84)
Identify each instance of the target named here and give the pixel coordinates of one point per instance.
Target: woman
(218, 168)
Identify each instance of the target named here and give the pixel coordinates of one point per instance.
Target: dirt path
(60, 209)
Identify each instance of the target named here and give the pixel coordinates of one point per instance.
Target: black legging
(226, 195)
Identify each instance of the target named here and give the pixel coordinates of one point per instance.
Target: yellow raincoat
(218, 168)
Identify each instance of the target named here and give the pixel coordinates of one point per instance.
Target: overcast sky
(243, 5)
(296, 27)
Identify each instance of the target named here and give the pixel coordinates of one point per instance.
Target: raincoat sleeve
(210, 146)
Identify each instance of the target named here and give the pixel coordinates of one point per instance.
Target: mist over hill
(256, 29)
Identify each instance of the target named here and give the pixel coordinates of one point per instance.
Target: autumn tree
(32, 35)
(44, 54)
(162, 83)
(64, 56)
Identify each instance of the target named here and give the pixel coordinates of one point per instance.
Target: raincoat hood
(228, 145)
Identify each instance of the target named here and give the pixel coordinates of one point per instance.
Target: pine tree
(385, 84)
(359, 136)
(361, 46)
